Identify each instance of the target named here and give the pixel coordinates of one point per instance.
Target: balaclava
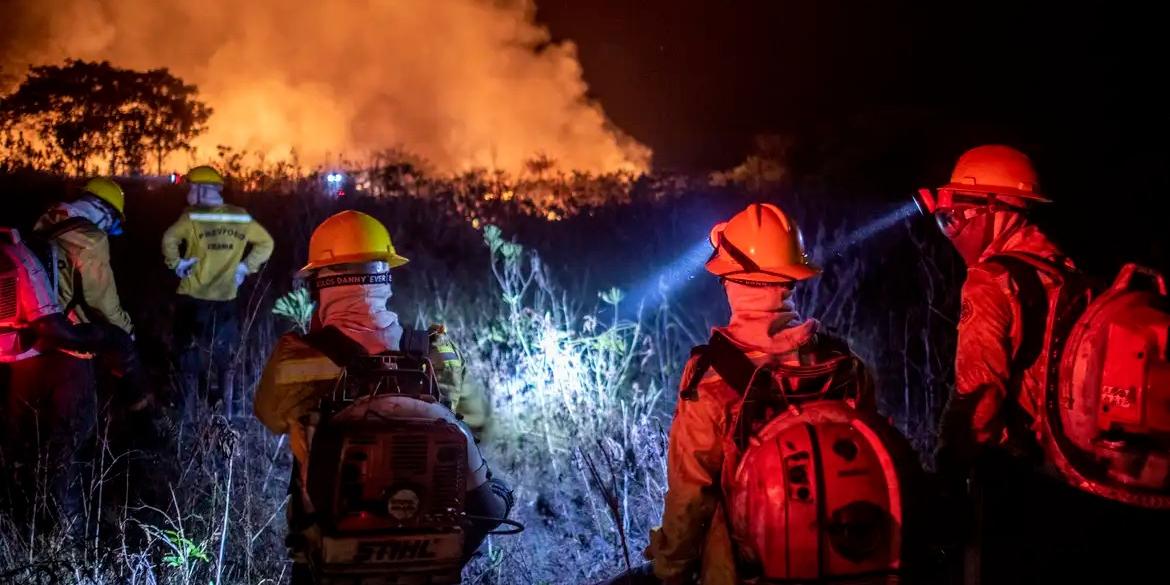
(764, 318)
(204, 195)
(355, 298)
(981, 233)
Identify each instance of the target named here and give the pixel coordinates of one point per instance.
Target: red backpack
(816, 489)
(1106, 410)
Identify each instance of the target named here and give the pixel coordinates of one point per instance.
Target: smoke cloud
(462, 83)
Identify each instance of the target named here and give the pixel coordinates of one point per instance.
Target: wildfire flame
(461, 83)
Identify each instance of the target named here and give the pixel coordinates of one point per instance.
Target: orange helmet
(995, 170)
(760, 244)
(350, 237)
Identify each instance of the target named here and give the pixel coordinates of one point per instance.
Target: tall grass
(582, 377)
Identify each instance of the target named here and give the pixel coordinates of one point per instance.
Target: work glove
(186, 265)
(241, 273)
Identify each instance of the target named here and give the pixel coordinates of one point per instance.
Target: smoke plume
(462, 83)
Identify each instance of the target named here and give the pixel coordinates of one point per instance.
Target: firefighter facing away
(770, 410)
(349, 271)
(75, 237)
(206, 249)
(996, 435)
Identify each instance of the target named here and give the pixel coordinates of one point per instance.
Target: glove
(241, 273)
(186, 265)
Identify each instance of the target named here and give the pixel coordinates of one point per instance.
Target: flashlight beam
(873, 228)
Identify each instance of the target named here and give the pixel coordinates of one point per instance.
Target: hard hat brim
(394, 260)
(725, 268)
(984, 190)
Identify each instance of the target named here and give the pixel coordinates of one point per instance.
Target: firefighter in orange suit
(759, 256)
(1032, 527)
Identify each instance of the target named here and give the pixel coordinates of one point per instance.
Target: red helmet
(995, 170)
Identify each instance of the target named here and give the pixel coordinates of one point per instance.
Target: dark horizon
(697, 83)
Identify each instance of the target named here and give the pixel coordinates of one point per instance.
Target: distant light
(334, 178)
(174, 178)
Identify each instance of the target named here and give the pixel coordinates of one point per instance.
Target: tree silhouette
(85, 112)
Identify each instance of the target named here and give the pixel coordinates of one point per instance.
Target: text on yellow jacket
(217, 237)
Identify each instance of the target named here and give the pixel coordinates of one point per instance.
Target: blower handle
(1125, 279)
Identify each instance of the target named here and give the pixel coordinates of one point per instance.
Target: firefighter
(79, 236)
(51, 406)
(350, 262)
(983, 212)
(76, 237)
(206, 249)
(759, 256)
(1031, 527)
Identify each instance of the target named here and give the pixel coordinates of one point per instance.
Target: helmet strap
(738, 255)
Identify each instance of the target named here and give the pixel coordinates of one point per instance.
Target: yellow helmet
(108, 191)
(760, 244)
(350, 237)
(204, 175)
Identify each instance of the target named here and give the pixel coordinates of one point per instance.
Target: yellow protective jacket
(217, 237)
(694, 537)
(85, 279)
(297, 377)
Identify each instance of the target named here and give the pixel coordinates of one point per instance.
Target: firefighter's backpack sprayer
(1106, 418)
(818, 489)
(18, 263)
(389, 467)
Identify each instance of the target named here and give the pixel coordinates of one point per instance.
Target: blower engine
(387, 475)
(1109, 394)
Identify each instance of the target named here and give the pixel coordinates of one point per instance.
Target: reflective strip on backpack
(301, 371)
(221, 217)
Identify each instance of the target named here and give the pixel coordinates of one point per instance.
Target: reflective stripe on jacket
(217, 237)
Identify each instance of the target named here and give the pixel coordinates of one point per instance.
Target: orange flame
(461, 83)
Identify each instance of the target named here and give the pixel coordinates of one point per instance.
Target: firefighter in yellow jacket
(206, 249)
(77, 234)
(350, 262)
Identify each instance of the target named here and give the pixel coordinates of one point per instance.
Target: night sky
(696, 80)
(885, 95)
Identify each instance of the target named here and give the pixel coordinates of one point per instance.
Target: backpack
(17, 266)
(813, 488)
(1105, 424)
(387, 482)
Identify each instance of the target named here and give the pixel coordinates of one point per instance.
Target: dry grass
(582, 382)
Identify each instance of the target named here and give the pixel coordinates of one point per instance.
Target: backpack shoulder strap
(331, 342)
(696, 368)
(57, 229)
(730, 362)
(1034, 305)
